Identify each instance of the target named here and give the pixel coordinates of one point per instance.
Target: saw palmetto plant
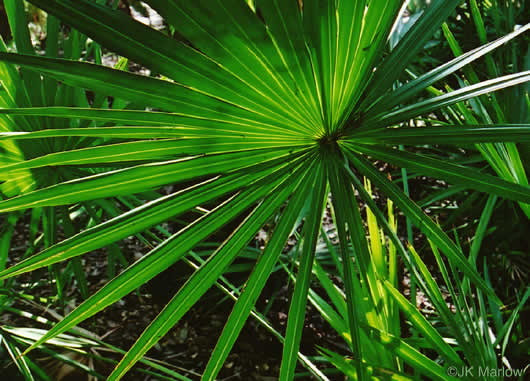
(257, 108)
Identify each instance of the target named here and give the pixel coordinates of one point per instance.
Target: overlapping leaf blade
(150, 91)
(163, 256)
(145, 216)
(284, 23)
(206, 275)
(259, 276)
(408, 46)
(176, 59)
(233, 36)
(458, 135)
(297, 309)
(139, 178)
(431, 104)
(421, 220)
(408, 90)
(457, 174)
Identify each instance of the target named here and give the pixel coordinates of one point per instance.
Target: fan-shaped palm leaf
(263, 103)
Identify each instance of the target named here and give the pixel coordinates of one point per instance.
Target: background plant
(262, 109)
(455, 326)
